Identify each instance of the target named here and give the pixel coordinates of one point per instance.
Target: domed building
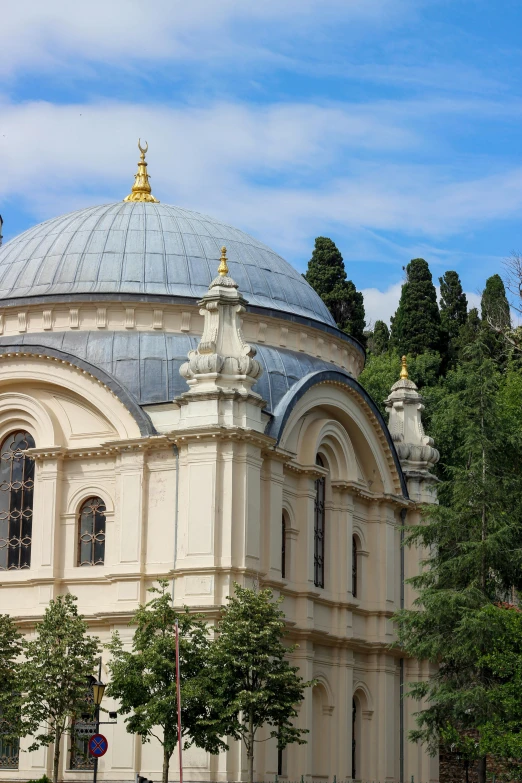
(172, 409)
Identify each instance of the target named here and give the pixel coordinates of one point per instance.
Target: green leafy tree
(470, 332)
(501, 663)
(144, 679)
(11, 647)
(256, 684)
(453, 303)
(55, 676)
(327, 276)
(379, 340)
(497, 318)
(453, 312)
(382, 371)
(416, 325)
(473, 554)
(494, 304)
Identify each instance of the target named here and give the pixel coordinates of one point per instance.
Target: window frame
(319, 527)
(18, 513)
(284, 547)
(355, 567)
(93, 537)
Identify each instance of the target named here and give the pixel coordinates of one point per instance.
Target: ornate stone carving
(416, 450)
(222, 360)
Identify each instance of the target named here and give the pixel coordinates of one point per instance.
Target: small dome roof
(150, 249)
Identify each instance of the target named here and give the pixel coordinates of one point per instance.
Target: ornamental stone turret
(222, 369)
(414, 448)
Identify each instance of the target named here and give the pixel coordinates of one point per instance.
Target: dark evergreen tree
(453, 304)
(474, 559)
(470, 332)
(416, 326)
(494, 304)
(496, 319)
(327, 275)
(378, 341)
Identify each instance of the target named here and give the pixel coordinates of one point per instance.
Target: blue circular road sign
(98, 745)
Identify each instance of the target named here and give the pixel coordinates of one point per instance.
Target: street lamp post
(98, 689)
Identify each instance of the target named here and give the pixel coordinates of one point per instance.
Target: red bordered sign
(98, 745)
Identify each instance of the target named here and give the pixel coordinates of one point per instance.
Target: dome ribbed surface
(150, 249)
(147, 365)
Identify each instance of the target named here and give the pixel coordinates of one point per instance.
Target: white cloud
(381, 305)
(265, 169)
(57, 32)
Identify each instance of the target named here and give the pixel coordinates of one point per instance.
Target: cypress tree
(379, 339)
(496, 318)
(494, 304)
(470, 331)
(473, 558)
(453, 303)
(327, 276)
(416, 326)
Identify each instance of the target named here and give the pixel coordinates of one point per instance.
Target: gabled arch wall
(339, 414)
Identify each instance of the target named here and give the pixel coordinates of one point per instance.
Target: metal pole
(97, 716)
(178, 694)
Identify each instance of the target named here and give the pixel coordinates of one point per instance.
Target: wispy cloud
(47, 35)
(381, 305)
(282, 171)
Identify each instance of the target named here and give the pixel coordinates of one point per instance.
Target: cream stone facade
(226, 440)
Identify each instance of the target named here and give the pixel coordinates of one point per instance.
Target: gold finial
(223, 266)
(141, 190)
(404, 369)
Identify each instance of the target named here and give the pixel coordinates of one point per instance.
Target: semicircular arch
(23, 412)
(338, 397)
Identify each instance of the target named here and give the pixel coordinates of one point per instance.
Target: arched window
(319, 527)
(91, 535)
(354, 566)
(283, 547)
(354, 740)
(16, 500)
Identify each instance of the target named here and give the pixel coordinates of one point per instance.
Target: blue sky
(392, 126)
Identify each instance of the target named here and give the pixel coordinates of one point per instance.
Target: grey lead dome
(151, 249)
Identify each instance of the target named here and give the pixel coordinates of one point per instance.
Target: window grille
(354, 567)
(81, 731)
(16, 501)
(91, 534)
(9, 748)
(319, 528)
(283, 547)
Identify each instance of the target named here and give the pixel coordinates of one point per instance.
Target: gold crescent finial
(223, 266)
(404, 369)
(141, 190)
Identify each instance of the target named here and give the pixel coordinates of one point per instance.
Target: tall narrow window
(91, 538)
(283, 547)
(319, 528)
(82, 730)
(354, 741)
(9, 748)
(354, 566)
(16, 501)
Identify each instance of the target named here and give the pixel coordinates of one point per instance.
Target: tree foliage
(144, 679)
(416, 326)
(473, 558)
(378, 341)
(494, 304)
(327, 276)
(255, 683)
(11, 647)
(55, 675)
(453, 303)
